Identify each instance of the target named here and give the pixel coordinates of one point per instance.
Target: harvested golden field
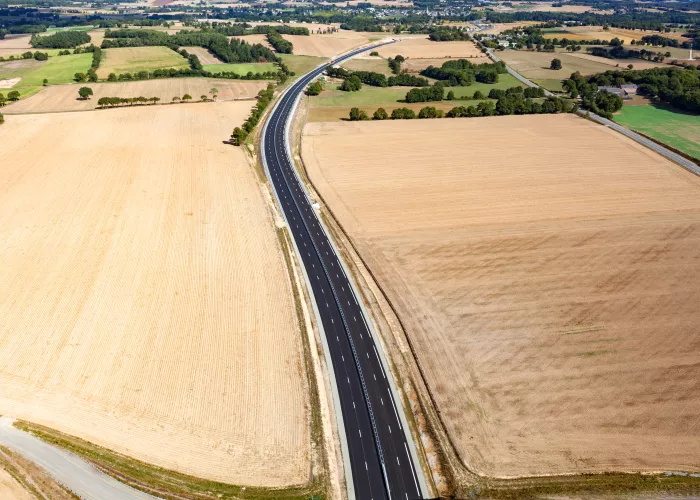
(328, 45)
(10, 489)
(597, 33)
(205, 57)
(145, 303)
(65, 97)
(423, 48)
(134, 59)
(545, 269)
(253, 39)
(14, 45)
(622, 63)
(96, 37)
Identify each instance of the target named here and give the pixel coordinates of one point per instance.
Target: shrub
(356, 114)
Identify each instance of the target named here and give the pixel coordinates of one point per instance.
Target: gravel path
(71, 471)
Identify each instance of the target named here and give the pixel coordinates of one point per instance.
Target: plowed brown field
(144, 301)
(546, 270)
(65, 97)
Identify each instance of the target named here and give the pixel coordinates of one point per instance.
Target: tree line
(374, 79)
(60, 40)
(264, 98)
(461, 72)
(514, 104)
(281, 45)
(189, 72)
(448, 34)
(39, 56)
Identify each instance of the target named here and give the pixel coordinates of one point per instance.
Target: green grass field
(135, 59)
(241, 68)
(377, 96)
(551, 85)
(55, 70)
(679, 130)
(302, 64)
(376, 64)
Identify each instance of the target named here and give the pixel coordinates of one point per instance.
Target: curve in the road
(380, 451)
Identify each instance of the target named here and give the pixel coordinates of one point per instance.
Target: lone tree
(13, 96)
(85, 92)
(556, 64)
(46, 82)
(203, 97)
(214, 92)
(176, 99)
(186, 97)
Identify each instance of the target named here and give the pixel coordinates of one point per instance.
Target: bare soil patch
(9, 83)
(423, 48)
(65, 97)
(549, 287)
(145, 303)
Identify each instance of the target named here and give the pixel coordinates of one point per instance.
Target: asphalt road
(379, 453)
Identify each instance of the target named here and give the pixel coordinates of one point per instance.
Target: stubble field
(329, 45)
(423, 48)
(65, 97)
(145, 303)
(549, 287)
(205, 57)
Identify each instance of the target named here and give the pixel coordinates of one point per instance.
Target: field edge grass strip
(159, 481)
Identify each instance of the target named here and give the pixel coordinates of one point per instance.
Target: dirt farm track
(546, 270)
(144, 301)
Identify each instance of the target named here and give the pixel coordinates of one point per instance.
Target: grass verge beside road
(161, 482)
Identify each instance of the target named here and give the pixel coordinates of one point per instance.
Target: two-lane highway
(379, 452)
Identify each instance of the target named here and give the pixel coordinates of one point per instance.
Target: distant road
(676, 158)
(68, 469)
(381, 452)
